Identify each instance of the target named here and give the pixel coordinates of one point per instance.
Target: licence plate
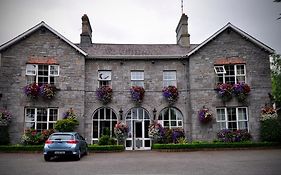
(59, 152)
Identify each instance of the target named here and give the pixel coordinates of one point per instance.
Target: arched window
(170, 118)
(104, 120)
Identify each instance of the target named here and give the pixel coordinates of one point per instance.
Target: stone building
(44, 56)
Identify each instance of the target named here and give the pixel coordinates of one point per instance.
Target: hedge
(198, 146)
(106, 148)
(39, 148)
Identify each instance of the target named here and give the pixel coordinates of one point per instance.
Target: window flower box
(171, 94)
(32, 90)
(137, 94)
(104, 94)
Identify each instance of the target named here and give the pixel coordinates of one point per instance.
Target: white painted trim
(42, 24)
(241, 32)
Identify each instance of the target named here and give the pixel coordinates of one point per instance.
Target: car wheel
(86, 151)
(78, 156)
(47, 158)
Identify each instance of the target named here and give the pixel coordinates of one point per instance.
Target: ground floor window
(40, 118)
(104, 120)
(232, 118)
(170, 118)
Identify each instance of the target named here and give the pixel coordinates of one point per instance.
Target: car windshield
(61, 137)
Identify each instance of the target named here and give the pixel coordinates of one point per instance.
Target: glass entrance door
(137, 120)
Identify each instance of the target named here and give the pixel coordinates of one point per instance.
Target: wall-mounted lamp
(121, 113)
(154, 113)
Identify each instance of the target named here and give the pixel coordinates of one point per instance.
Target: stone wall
(202, 81)
(41, 43)
(121, 83)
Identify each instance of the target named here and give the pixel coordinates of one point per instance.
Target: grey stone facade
(78, 78)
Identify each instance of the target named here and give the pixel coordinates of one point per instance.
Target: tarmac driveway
(238, 162)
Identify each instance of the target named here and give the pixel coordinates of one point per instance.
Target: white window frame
(135, 80)
(99, 120)
(169, 81)
(178, 120)
(32, 71)
(107, 81)
(236, 75)
(219, 69)
(35, 117)
(237, 117)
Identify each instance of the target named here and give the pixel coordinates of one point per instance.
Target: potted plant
(104, 94)
(137, 94)
(171, 94)
(155, 131)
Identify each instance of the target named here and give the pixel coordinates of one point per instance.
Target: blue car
(65, 144)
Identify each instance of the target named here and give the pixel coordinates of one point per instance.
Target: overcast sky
(142, 21)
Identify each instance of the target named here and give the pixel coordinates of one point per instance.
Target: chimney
(183, 38)
(86, 35)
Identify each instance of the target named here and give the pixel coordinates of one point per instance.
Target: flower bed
(33, 137)
(226, 135)
(104, 94)
(171, 94)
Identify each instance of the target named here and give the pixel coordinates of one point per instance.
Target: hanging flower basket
(171, 94)
(121, 131)
(267, 113)
(32, 90)
(241, 91)
(104, 94)
(204, 115)
(5, 117)
(48, 91)
(224, 91)
(137, 94)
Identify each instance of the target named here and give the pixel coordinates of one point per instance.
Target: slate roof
(97, 50)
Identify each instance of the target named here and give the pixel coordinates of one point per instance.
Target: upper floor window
(232, 118)
(169, 78)
(41, 74)
(41, 118)
(231, 74)
(104, 77)
(137, 78)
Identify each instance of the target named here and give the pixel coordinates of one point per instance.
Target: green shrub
(4, 135)
(67, 124)
(270, 130)
(106, 140)
(21, 148)
(102, 148)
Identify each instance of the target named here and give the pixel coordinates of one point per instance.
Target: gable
(36, 28)
(230, 27)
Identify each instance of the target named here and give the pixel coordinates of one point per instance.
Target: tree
(276, 78)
